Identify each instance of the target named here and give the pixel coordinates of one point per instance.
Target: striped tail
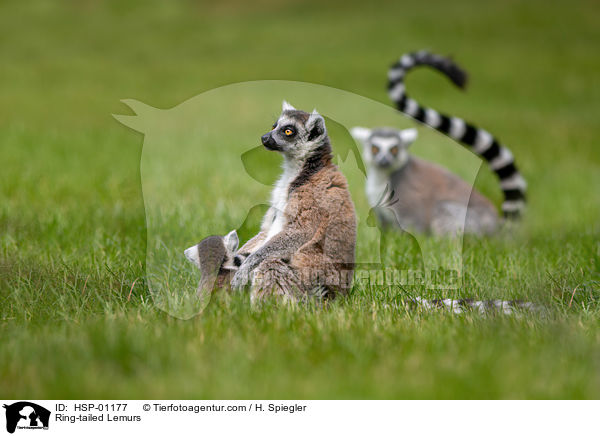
(477, 140)
(483, 307)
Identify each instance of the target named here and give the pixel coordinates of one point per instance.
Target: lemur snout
(384, 162)
(269, 142)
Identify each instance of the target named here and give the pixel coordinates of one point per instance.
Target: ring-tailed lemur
(307, 239)
(424, 196)
(477, 140)
(217, 260)
(413, 194)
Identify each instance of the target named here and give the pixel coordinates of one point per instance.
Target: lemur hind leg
(276, 278)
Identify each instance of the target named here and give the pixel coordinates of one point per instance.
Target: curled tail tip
(458, 76)
(455, 73)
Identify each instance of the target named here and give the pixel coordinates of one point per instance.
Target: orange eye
(288, 132)
(374, 149)
(394, 150)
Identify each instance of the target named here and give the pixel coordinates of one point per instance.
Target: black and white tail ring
(479, 141)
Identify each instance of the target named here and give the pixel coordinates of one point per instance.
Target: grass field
(76, 317)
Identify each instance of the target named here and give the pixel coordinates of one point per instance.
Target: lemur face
(295, 133)
(385, 148)
(217, 250)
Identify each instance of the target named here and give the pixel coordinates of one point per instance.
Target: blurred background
(66, 65)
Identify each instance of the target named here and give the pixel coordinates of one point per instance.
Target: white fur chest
(379, 185)
(278, 203)
(279, 200)
(377, 181)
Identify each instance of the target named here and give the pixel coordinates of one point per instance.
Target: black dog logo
(26, 415)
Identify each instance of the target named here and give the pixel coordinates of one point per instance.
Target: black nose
(268, 141)
(384, 163)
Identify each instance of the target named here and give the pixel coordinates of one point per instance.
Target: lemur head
(215, 252)
(385, 148)
(296, 133)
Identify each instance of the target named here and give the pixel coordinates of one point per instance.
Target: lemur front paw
(241, 278)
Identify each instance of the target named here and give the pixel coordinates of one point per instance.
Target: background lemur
(425, 196)
(415, 194)
(307, 239)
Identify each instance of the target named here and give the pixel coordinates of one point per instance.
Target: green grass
(76, 316)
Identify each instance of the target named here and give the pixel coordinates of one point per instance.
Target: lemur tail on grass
(506, 307)
(477, 140)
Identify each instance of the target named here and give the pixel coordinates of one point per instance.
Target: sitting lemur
(307, 238)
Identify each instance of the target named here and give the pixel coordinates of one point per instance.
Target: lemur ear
(193, 255)
(408, 136)
(285, 106)
(231, 241)
(315, 125)
(361, 134)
